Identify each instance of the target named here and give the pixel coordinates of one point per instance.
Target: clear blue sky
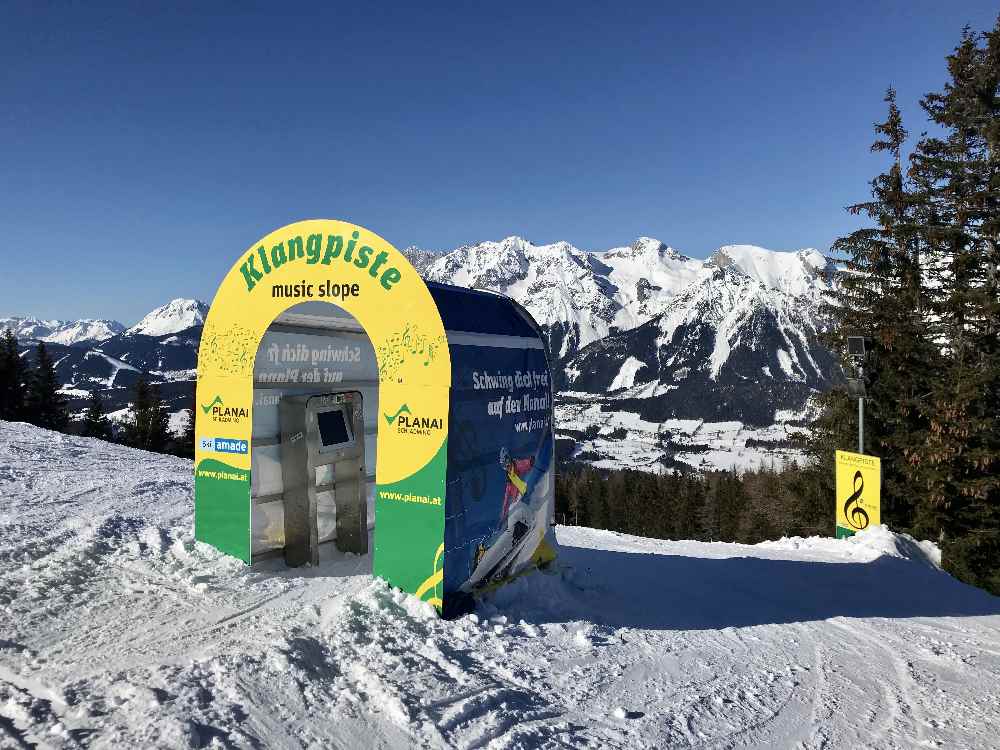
(142, 150)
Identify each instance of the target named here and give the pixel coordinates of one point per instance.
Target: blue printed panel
(500, 487)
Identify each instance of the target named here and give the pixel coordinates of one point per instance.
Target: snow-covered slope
(117, 629)
(66, 332)
(646, 275)
(175, 316)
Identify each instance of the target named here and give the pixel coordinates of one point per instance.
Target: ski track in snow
(117, 629)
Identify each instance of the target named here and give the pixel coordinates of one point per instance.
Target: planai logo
(404, 409)
(222, 413)
(217, 401)
(407, 423)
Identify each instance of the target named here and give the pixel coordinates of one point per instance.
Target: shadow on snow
(675, 592)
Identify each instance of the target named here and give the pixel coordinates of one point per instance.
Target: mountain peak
(646, 247)
(795, 272)
(173, 317)
(648, 244)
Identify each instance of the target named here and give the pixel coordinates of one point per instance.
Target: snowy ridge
(66, 332)
(119, 630)
(617, 289)
(565, 289)
(175, 316)
(647, 275)
(800, 273)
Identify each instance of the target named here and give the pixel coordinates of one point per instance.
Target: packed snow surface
(117, 629)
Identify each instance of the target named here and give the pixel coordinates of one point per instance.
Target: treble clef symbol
(856, 516)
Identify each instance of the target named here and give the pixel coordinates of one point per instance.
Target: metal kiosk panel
(320, 453)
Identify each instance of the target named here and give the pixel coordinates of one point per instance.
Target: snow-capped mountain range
(175, 316)
(109, 358)
(685, 357)
(642, 321)
(583, 296)
(642, 332)
(64, 332)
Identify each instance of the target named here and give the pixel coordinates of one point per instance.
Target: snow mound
(879, 541)
(865, 546)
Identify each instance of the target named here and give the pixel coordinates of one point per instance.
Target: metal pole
(861, 409)
(861, 425)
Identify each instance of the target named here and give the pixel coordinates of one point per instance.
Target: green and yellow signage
(357, 270)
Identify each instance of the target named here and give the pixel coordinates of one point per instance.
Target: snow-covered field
(117, 629)
(618, 439)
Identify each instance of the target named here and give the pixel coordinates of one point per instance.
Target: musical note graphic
(856, 516)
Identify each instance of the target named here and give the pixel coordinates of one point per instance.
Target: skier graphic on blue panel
(515, 470)
(496, 555)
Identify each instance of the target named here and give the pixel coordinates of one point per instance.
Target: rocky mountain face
(726, 348)
(566, 290)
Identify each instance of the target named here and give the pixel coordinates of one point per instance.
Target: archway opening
(314, 438)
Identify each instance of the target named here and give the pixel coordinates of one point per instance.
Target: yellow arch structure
(354, 268)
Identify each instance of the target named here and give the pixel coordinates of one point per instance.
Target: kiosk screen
(333, 428)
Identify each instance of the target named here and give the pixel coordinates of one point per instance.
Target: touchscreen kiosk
(334, 431)
(320, 452)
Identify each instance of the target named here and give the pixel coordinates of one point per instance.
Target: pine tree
(12, 379)
(185, 444)
(882, 297)
(709, 517)
(44, 405)
(146, 428)
(95, 422)
(959, 173)
(5, 377)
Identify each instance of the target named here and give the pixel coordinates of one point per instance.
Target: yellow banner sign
(859, 484)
